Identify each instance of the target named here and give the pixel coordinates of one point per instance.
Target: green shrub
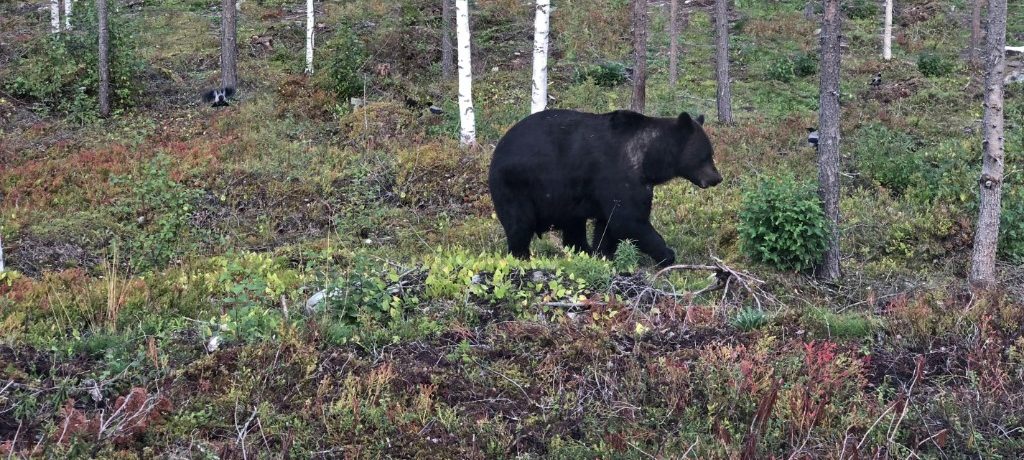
(888, 157)
(345, 57)
(595, 273)
(749, 319)
(627, 257)
(861, 9)
(782, 224)
(780, 69)
(605, 74)
(1011, 229)
(848, 325)
(805, 64)
(785, 67)
(932, 64)
(249, 279)
(61, 71)
(368, 296)
(158, 211)
(949, 173)
(507, 280)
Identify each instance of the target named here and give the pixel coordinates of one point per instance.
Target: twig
(520, 387)
(14, 442)
(243, 432)
(692, 446)
(873, 425)
(918, 373)
(638, 449)
(929, 438)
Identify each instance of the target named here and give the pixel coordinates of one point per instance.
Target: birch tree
(229, 43)
(639, 56)
(1, 253)
(986, 237)
(828, 135)
(540, 56)
(68, 5)
(673, 43)
(724, 92)
(887, 32)
(310, 23)
(104, 57)
(447, 50)
(54, 16)
(467, 134)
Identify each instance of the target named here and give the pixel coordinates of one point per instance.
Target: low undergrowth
(297, 277)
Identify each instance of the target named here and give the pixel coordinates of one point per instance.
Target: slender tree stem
(986, 237)
(828, 134)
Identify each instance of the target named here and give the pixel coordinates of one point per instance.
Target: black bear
(556, 169)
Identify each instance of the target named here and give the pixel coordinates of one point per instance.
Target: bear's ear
(685, 121)
(700, 119)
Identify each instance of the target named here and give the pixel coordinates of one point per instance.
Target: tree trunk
(828, 135)
(887, 32)
(467, 135)
(310, 25)
(673, 43)
(104, 57)
(639, 56)
(229, 44)
(724, 93)
(447, 50)
(54, 16)
(986, 237)
(540, 57)
(974, 52)
(1, 253)
(68, 6)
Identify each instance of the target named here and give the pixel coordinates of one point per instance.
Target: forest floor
(291, 277)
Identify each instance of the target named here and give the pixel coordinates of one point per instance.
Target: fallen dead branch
(724, 278)
(639, 289)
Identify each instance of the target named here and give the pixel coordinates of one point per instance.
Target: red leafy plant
(130, 416)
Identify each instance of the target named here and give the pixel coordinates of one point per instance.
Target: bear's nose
(712, 181)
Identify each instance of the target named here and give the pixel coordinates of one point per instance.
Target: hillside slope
(294, 277)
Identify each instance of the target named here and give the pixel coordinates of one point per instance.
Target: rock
(315, 300)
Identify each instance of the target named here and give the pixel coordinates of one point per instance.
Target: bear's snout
(710, 180)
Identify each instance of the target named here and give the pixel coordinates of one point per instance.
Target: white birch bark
(467, 134)
(54, 16)
(887, 32)
(1, 253)
(540, 56)
(68, 5)
(309, 36)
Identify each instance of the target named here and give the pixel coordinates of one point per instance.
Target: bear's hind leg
(574, 236)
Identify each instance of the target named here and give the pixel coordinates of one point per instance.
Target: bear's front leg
(649, 241)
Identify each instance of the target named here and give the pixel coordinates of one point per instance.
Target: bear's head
(695, 159)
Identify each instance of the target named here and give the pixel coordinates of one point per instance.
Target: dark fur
(218, 97)
(560, 168)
